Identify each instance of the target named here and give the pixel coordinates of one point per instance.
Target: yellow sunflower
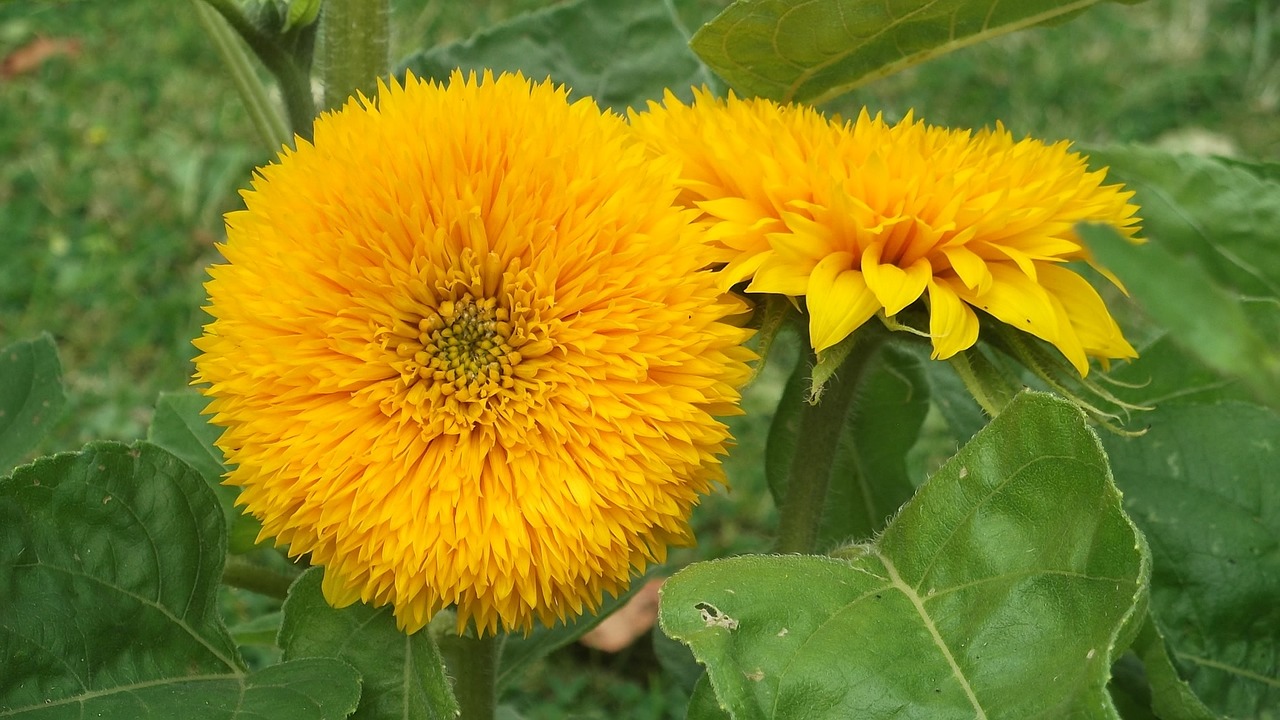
(864, 217)
(466, 351)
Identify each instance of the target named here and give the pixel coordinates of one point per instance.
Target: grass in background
(116, 163)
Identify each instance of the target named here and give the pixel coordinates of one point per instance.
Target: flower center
(468, 345)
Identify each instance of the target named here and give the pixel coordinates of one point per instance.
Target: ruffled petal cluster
(863, 218)
(467, 350)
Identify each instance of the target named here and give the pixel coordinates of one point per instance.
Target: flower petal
(838, 300)
(781, 277)
(1093, 324)
(893, 286)
(970, 266)
(953, 325)
(1020, 301)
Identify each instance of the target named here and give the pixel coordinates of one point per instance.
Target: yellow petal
(894, 287)
(952, 324)
(970, 266)
(838, 300)
(1093, 324)
(1020, 301)
(780, 277)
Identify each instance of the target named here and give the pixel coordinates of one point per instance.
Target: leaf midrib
(941, 644)
(106, 692)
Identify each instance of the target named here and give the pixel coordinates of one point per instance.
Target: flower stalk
(356, 48)
(817, 442)
(293, 78)
(253, 577)
(476, 665)
(263, 114)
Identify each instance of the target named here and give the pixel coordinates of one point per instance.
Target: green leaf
(1202, 486)
(619, 53)
(1008, 585)
(962, 413)
(301, 13)
(403, 675)
(1182, 297)
(109, 569)
(31, 397)
(1129, 689)
(677, 662)
(869, 478)
(1222, 213)
(775, 316)
(815, 50)
(1171, 697)
(703, 704)
(180, 427)
(260, 630)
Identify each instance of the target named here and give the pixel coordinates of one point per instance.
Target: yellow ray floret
(466, 351)
(864, 217)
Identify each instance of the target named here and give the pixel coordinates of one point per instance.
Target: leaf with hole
(1005, 588)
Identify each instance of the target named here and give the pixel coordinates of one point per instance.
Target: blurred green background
(122, 143)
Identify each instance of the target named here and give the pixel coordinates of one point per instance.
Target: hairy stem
(817, 441)
(264, 116)
(250, 576)
(356, 47)
(294, 80)
(476, 665)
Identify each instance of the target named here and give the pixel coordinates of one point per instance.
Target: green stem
(266, 119)
(294, 80)
(992, 387)
(817, 441)
(476, 666)
(356, 47)
(256, 578)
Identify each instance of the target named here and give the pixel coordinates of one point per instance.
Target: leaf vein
(937, 637)
(1227, 667)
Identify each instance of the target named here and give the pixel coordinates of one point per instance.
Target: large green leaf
(703, 704)
(180, 426)
(31, 397)
(1205, 318)
(869, 479)
(1005, 588)
(619, 53)
(1171, 697)
(1221, 213)
(403, 675)
(814, 50)
(109, 568)
(1202, 486)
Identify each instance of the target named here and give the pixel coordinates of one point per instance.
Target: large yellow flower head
(466, 350)
(864, 217)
